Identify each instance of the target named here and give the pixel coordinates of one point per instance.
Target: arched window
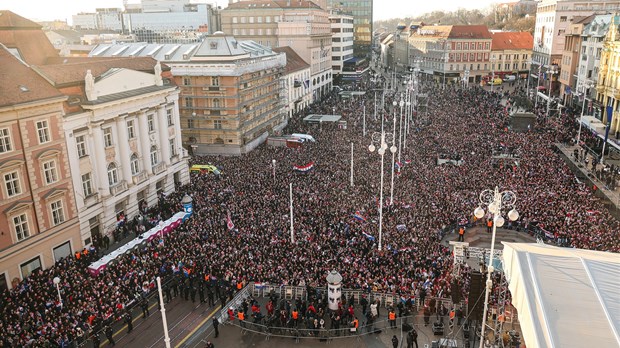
(135, 164)
(154, 159)
(112, 174)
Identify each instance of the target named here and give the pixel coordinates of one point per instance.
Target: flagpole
(291, 206)
(364, 119)
(351, 164)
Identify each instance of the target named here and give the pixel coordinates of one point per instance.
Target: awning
(565, 297)
(597, 127)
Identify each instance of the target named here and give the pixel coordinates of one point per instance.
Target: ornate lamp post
(57, 283)
(380, 139)
(496, 202)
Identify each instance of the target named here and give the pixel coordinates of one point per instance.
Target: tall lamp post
(380, 139)
(273, 165)
(163, 314)
(496, 202)
(586, 86)
(57, 283)
(550, 72)
(493, 60)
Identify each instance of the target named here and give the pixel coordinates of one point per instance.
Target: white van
(305, 137)
(509, 78)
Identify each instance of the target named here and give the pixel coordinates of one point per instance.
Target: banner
(610, 112)
(229, 222)
(305, 168)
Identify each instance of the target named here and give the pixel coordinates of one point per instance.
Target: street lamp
(586, 86)
(57, 283)
(493, 60)
(550, 72)
(466, 77)
(496, 202)
(273, 166)
(400, 126)
(163, 314)
(379, 138)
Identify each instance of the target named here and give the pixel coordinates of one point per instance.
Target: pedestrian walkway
(585, 173)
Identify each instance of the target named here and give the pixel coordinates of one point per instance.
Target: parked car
(495, 82)
(509, 78)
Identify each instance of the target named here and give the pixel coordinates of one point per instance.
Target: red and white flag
(229, 222)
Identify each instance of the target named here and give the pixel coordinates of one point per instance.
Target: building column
(123, 146)
(145, 142)
(103, 186)
(163, 135)
(178, 137)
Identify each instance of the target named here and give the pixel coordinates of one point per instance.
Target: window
(217, 124)
(80, 142)
(173, 151)
(215, 80)
(62, 251)
(28, 267)
(234, 20)
(169, 117)
(20, 223)
(5, 140)
(43, 132)
(107, 137)
(154, 159)
(190, 124)
(188, 102)
(216, 103)
(58, 215)
(49, 172)
(151, 123)
(187, 81)
(112, 174)
(11, 182)
(87, 185)
(131, 130)
(135, 164)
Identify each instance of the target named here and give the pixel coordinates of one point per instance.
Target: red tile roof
(470, 32)
(293, 60)
(20, 84)
(74, 72)
(512, 41)
(27, 37)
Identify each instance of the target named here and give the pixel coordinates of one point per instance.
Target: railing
(159, 167)
(91, 199)
(140, 177)
(289, 292)
(118, 188)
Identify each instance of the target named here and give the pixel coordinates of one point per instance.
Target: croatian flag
(229, 222)
(358, 216)
(548, 234)
(407, 161)
(369, 237)
(259, 285)
(398, 165)
(303, 169)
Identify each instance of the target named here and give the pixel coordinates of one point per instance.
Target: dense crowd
(204, 256)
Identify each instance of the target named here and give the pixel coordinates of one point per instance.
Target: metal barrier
(290, 292)
(236, 302)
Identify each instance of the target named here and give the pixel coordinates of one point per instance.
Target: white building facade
(552, 20)
(124, 148)
(342, 40)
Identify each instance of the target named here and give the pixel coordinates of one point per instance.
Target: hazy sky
(383, 9)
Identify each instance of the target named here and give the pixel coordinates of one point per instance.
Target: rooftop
(19, 83)
(470, 32)
(276, 4)
(511, 41)
(293, 60)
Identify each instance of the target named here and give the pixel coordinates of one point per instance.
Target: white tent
(565, 297)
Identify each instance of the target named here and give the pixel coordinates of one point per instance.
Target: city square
(221, 193)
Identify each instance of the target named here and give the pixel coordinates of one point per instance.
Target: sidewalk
(584, 173)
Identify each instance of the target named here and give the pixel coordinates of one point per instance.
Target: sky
(383, 9)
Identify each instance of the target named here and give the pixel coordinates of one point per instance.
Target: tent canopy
(565, 297)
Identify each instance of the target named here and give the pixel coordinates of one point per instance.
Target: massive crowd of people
(205, 254)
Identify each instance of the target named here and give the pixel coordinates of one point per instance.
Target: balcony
(174, 158)
(118, 188)
(159, 168)
(140, 177)
(91, 200)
